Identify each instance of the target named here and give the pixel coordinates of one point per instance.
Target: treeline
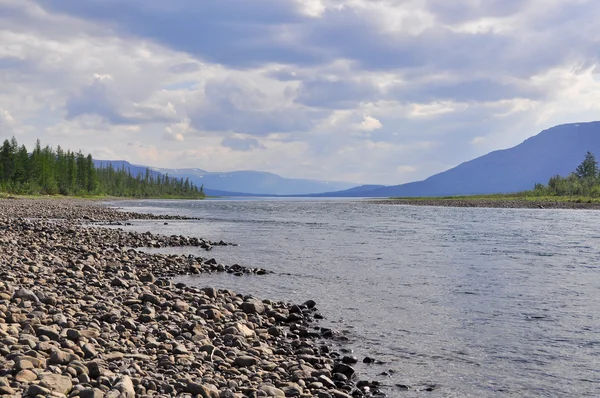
(584, 181)
(51, 172)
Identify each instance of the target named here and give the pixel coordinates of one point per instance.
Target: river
(463, 302)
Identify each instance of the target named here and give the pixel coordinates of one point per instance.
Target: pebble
(84, 313)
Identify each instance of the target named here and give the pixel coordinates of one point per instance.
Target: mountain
(238, 183)
(360, 191)
(256, 182)
(119, 164)
(558, 150)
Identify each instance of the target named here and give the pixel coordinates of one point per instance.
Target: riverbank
(496, 202)
(83, 313)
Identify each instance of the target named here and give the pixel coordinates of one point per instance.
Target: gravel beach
(84, 312)
(491, 203)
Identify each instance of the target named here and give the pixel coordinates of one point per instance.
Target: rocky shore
(491, 203)
(84, 314)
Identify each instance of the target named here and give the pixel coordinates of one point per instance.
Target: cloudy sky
(368, 91)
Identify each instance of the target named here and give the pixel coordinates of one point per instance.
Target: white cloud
(370, 123)
(312, 8)
(6, 118)
(364, 90)
(406, 169)
(177, 132)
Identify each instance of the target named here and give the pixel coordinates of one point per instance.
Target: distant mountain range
(558, 150)
(238, 183)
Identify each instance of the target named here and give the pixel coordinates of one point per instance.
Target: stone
(58, 383)
(25, 294)
(244, 330)
(199, 389)
(180, 350)
(147, 278)
(49, 332)
(89, 351)
(95, 368)
(349, 359)
(140, 332)
(271, 391)
(113, 356)
(60, 319)
(253, 307)
(23, 364)
(310, 304)
(181, 306)
(344, 369)
(91, 393)
(276, 331)
(125, 387)
(16, 318)
(35, 389)
(118, 282)
(25, 376)
(245, 361)
(339, 394)
(59, 357)
(211, 291)
(129, 323)
(213, 314)
(73, 334)
(327, 382)
(27, 362)
(89, 333)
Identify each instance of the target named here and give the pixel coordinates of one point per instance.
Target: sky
(364, 91)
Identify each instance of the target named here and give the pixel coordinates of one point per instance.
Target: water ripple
(474, 302)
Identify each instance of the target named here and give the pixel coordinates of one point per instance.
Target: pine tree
(588, 169)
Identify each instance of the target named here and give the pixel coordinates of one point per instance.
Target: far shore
(497, 202)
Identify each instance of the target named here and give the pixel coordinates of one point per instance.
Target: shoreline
(499, 203)
(84, 313)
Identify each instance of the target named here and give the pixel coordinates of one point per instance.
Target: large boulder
(58, 383)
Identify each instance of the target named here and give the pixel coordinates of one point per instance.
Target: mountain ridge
(554, 151)
(237, 183)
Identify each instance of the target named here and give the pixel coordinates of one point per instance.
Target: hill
(558, 150)
(238, 183)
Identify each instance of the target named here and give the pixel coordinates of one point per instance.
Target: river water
(471, 302)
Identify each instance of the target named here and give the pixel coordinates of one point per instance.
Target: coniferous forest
(45, 171)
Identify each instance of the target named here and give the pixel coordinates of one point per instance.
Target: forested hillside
(51, 172)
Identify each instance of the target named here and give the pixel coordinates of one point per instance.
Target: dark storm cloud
(463, 10)
(243, 33)
(337, 94)
(239, 33)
